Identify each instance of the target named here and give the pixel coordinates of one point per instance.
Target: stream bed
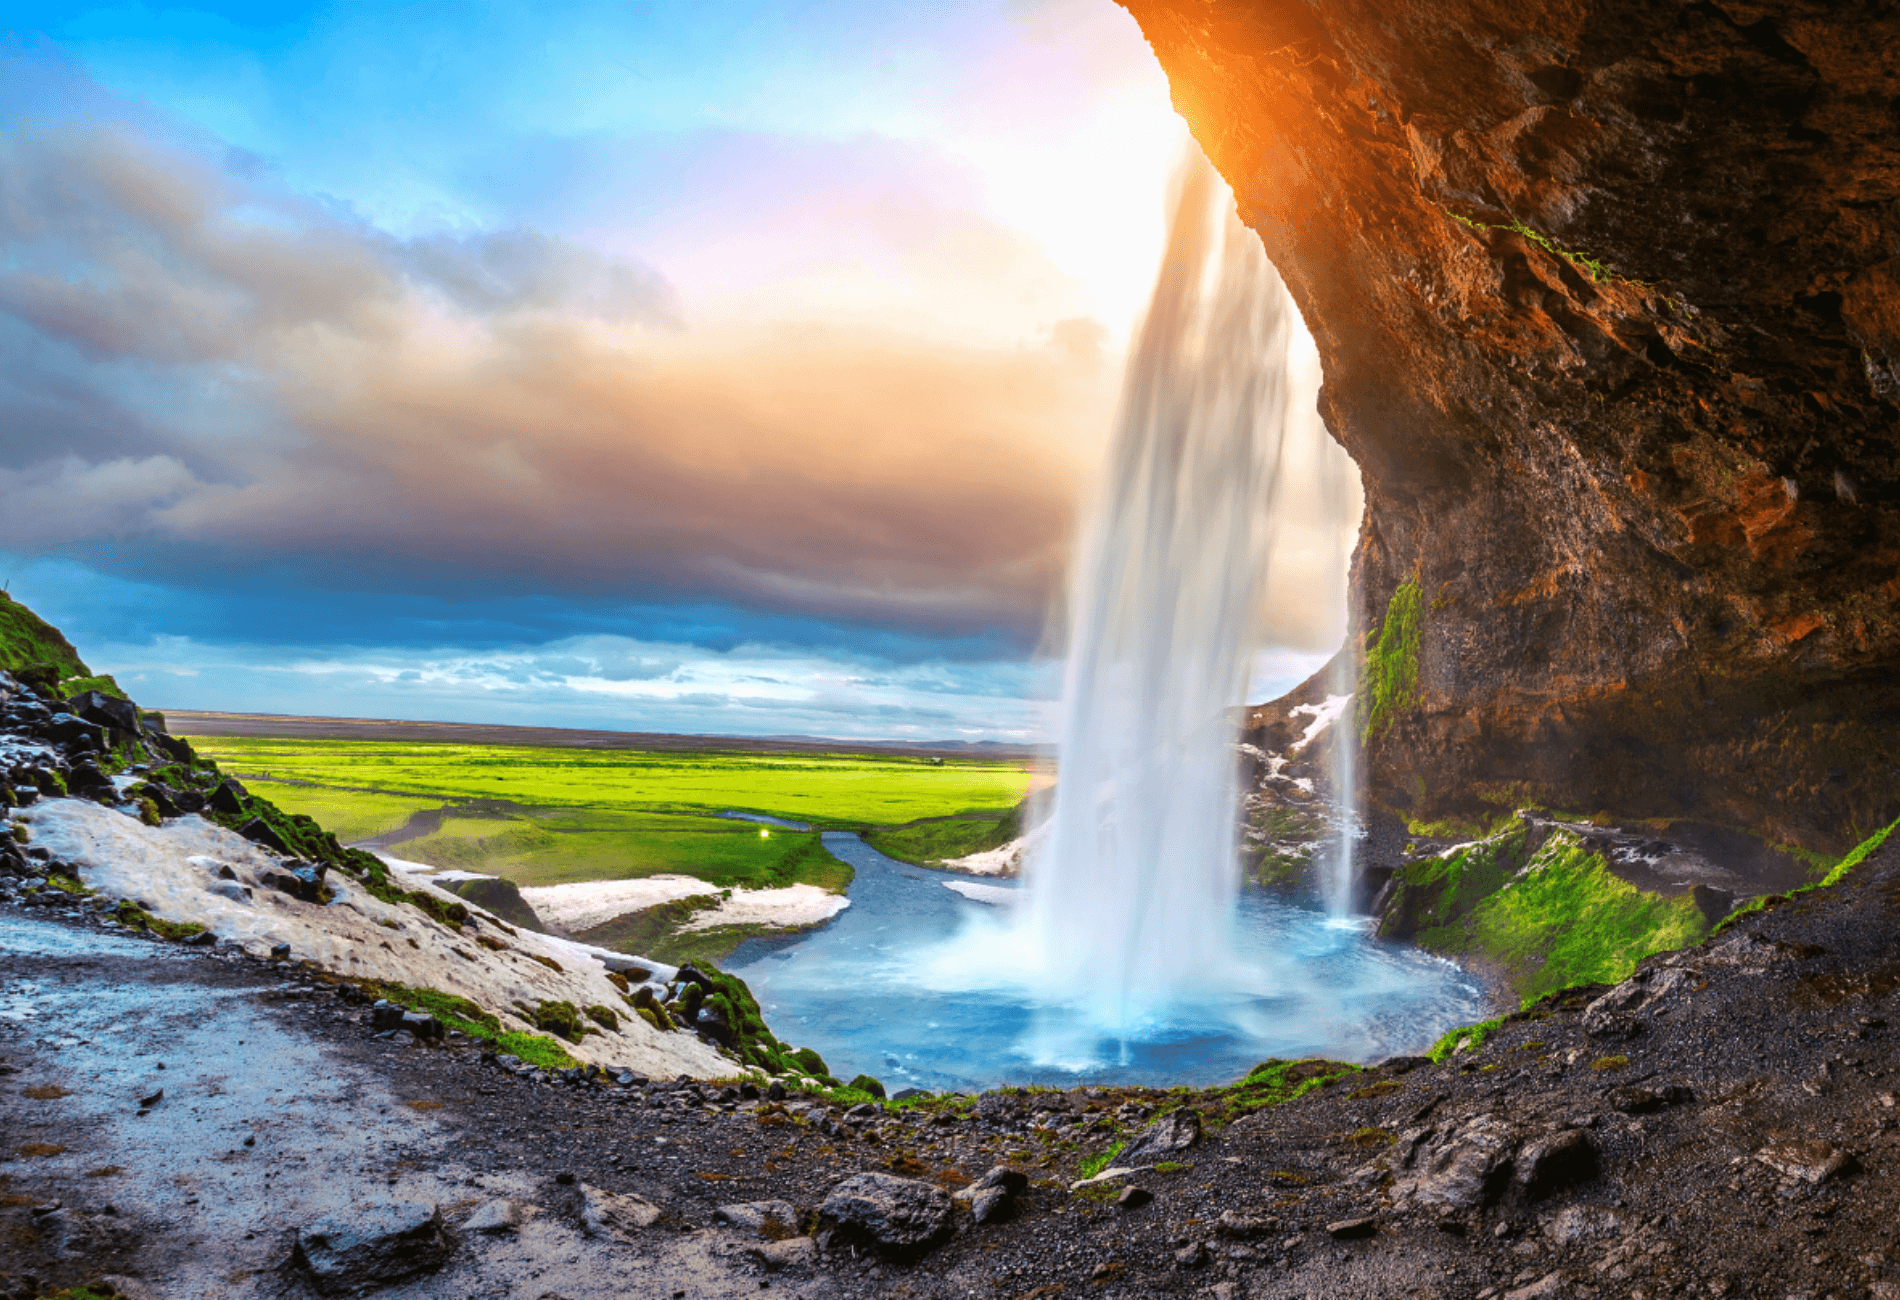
(912, 984)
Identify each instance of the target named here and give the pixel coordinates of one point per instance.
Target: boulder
(1352, 1229)
(1162, 1140)
(1620, 1012)
(74, 733)
(768, 1218)
(899, 1217)
(1469, 1168)
(1555, 1162)
(1133, 1198)
(101, 709)
(86, 781)
(262, 833)
(302, 881)
(368, 1245)
(227, 798)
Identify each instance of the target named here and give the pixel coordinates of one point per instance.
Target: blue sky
(724, 368)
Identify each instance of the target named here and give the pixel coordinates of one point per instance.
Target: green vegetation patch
(935, 840)
(1436, 892)
(1855, 856)
(1468, 1037)
(1388, 682)
(1566, 919)
(462, 1014)
(1274, 1083)
(845, 791)
(350, 815)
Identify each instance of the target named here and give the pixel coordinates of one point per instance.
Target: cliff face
(1608, 297)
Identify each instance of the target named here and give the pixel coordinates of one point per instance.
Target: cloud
(511, 408)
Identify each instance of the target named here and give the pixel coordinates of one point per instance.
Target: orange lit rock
(1608, 297)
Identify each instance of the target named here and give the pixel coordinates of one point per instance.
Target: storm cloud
(209, 362)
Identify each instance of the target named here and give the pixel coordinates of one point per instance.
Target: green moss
(1093, 1165)
(1470, 1036)
(1388, 683)
(1839, 872)
(560, 1018)
(71, 686)
(535, 1050)
(470, 1018)
(865, 1083)
(30, 646)
(134, 917)
(1567, 920)
(1437, 892)
(604, 1017)
(1590, 266)
(1461, 828)
(1274, 1083)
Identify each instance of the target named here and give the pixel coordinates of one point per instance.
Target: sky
(726, 368)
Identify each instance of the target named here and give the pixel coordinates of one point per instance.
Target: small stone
(772, 1218)
(793, 1252)
(1232, 1223)
(1352, 1229)
(1133, 1198)
(498, 1216)
(615, 1215)
(1548, 1287)
(153, 1100)
(1162, 1140)
(1811, 1161)
(991, 1205)
(1192, 1255)
(372, 1244)
(280, 952)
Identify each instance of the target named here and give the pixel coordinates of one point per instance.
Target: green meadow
(542, 816)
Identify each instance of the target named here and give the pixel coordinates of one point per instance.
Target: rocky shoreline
(1722, 1123)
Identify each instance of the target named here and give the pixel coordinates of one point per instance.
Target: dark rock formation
(371, 1244)
(900, 1217)
(1608, 298)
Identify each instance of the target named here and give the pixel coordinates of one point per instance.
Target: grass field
(541, 816)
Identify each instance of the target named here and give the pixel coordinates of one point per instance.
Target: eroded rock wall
(1608, 297)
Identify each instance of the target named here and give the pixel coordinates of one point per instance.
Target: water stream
(914, 984)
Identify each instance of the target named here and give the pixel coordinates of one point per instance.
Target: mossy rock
(865, 1083)
(562, 1019)
(604, 1017)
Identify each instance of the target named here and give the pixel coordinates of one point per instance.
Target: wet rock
(302, 882)
(1554, 1162)
(86, 781)
(1638, 1100)
(65, 730)
(427, 1029)
(711, 1022)
(371, 1244)
(1133, 1197)
(1810, 1160)
(771, 1218)
(900, 1217)
(615, 1215)
(1162, 1140)
(1352, 1229)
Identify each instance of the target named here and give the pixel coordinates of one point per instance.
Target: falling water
(1131, 895)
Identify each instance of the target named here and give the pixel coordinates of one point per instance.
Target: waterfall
(1130, 895)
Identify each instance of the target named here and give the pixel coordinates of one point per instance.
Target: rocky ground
(1722, 1124)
